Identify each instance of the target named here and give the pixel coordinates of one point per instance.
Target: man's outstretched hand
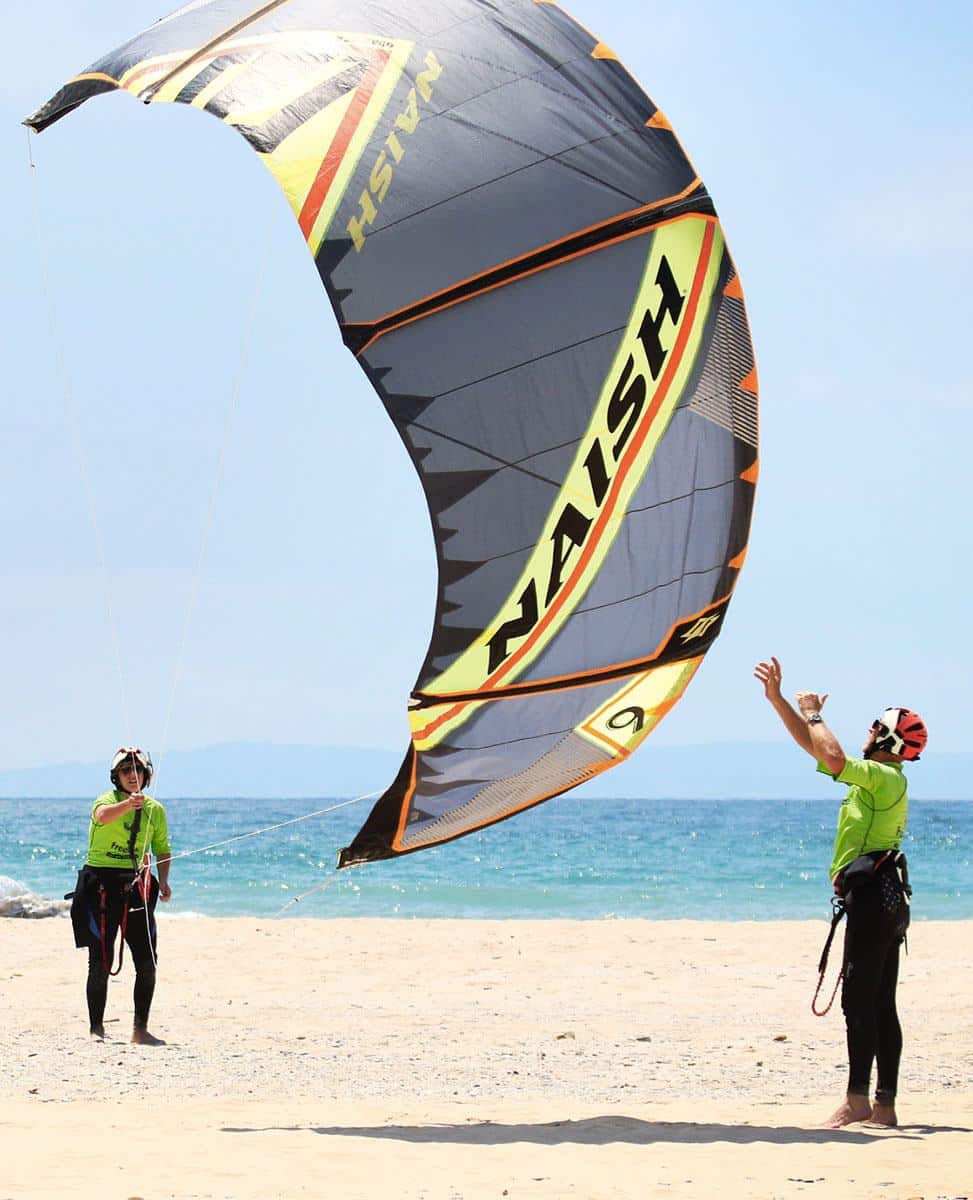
(769, 675)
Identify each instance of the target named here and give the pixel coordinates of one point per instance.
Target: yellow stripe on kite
(684, 254)
(624, 721)
(399, 54)
(297, 160)
(288, 92)
(222, 80)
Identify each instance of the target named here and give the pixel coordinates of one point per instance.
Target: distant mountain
(246, 769)
(758, 771)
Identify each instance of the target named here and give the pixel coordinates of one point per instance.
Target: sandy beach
(451, 1060)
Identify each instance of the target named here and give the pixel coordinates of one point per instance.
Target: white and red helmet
(132, 755)
(901, 731)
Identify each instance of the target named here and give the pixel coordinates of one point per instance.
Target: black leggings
(877, 920)
(140, 937)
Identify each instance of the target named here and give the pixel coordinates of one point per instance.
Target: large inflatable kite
(532, 276)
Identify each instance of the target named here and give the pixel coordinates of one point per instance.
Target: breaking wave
(17, 900)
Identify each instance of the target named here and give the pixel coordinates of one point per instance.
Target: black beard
(869, 752)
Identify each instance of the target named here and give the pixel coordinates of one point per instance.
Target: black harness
(856, 875)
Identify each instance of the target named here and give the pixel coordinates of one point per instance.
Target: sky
(164, 329)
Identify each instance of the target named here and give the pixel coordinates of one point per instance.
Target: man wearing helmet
(865, 872)
(116, 891)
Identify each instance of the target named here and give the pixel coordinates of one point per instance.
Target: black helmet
(132, 755)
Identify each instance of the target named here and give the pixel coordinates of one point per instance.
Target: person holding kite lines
(869, 875)
(116, 891)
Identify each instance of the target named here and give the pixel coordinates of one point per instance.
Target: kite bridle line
(74, 424)
(318, 888)
(141, 868)
(228, 423)
(239, 837)
(67, 399)
(232, 406)
(67, 396)
(280, 825)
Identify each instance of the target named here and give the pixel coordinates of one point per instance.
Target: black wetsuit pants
(113, 901)
(878, 917)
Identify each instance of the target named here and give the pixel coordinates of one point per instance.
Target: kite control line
(319, 888)
(270, 828)
(74, 424)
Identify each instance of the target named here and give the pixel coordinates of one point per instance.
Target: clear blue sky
(836, 140)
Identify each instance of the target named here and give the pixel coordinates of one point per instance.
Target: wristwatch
(815, 719)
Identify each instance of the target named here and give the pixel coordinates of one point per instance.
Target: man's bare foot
(884, 1114)
(98, 1031)
(142, 1037)
(855, 1108)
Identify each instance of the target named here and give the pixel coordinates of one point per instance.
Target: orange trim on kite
(603, 51)
(331, 163)
(620, 752)
(734, 288)
(750, 474)
(94, 75)
(736, 562)
(526, 274)
(658, 120)
(637, 665)
(749, 382)
(594, 769)
(406, 801)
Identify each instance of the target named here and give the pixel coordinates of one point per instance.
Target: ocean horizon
(572, 857)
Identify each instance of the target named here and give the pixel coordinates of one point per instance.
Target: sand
(453, 1060)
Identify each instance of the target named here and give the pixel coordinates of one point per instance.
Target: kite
(533, 278)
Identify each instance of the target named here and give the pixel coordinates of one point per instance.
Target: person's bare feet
(884, 1114)
(855, 1108)
(142, 1037)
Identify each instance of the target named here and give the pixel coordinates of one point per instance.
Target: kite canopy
(533, 278)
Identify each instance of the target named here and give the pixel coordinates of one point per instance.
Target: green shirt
(108, 844)
(874, 812)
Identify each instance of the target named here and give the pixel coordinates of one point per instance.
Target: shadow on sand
(601, 1131)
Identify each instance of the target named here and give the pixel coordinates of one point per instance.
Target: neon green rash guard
(874, 812)
(108, 844)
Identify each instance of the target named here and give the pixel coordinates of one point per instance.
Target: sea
(572, 857)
